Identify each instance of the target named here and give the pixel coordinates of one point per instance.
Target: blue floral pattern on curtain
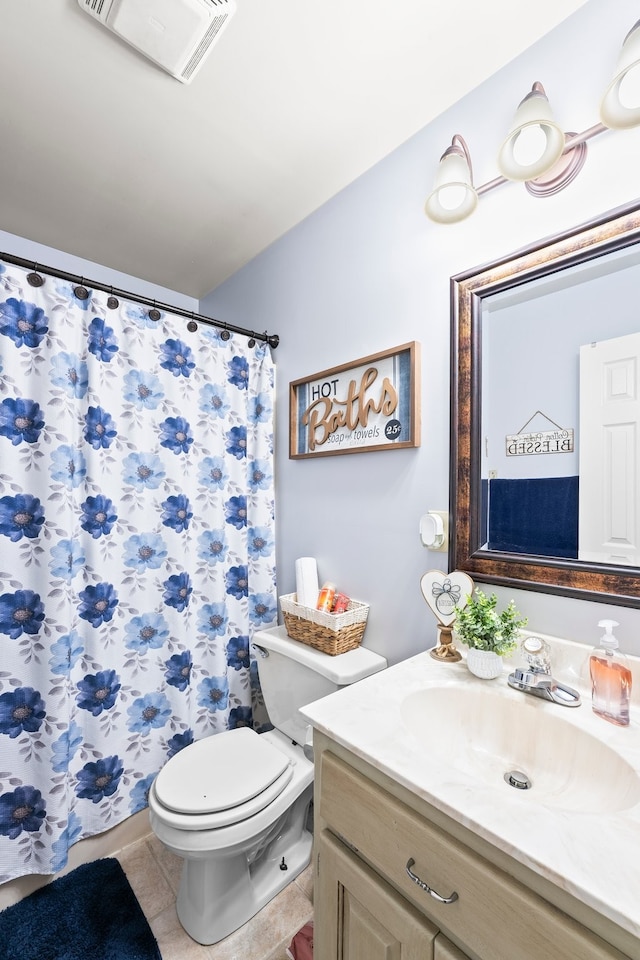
(137, 555)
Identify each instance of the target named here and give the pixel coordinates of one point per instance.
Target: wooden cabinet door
(363, 917)
(443, 949)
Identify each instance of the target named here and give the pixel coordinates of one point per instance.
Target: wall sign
(545, 441)
(521, 444)
(369, 404)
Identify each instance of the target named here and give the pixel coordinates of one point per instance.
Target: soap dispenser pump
(610, 678)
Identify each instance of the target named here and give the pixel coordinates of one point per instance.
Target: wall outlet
(425, 527)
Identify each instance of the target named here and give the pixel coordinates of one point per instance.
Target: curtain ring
(225, 335)
(34, 279)
(251, 342)
(192, 326)
(154, 313)
(112, 302)
(81, 291)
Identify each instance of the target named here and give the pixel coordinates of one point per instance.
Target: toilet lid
(220, 772)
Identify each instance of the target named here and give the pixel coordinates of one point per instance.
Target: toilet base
(218, 895)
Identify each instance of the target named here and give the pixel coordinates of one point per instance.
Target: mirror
(545, 415)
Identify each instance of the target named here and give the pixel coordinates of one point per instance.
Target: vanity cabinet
(366, 918)
(367, 906)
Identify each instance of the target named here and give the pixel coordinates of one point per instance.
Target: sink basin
(485, 734)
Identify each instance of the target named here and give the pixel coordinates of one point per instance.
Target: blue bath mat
(89, 914)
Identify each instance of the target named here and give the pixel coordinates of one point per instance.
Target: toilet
(236, 805)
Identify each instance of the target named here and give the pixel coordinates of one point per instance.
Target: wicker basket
(331, 633)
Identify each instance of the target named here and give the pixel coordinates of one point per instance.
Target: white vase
(484, 663)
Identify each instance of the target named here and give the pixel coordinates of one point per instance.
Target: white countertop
(593, 856)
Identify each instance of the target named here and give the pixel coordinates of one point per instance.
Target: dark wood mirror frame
(585, 580)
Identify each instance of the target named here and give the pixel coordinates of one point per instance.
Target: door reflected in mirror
(546, 415)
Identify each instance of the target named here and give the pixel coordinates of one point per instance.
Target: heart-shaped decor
(446, 593)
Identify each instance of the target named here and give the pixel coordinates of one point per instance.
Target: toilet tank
(293, 674)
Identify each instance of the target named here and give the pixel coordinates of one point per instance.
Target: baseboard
(106, 844)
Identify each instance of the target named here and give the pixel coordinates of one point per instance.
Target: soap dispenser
(610, 678)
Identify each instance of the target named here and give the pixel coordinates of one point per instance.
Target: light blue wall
(66, 263)
(367, 272)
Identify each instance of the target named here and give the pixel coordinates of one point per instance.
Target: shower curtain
(136, 553)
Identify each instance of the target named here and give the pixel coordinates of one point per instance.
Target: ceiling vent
(178, 35)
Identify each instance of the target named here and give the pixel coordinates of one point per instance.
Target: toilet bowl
(236, 805)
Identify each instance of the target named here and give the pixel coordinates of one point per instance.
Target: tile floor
(154, 874)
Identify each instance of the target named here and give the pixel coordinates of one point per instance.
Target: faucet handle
(537, 653)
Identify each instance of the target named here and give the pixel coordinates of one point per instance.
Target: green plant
(479, 625)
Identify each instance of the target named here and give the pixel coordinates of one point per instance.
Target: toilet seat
(222, 779)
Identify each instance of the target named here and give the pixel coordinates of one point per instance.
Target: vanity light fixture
(454, 196)
(620, 107)
(536, 151)
(535, 142)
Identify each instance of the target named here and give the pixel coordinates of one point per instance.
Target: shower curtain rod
(272, 339)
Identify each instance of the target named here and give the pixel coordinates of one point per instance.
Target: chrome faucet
(536, 678)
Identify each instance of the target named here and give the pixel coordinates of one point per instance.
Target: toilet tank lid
(342, 669)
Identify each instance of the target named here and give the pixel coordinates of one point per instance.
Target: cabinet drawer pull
(425, 886)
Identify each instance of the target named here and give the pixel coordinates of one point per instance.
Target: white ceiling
(105, 156)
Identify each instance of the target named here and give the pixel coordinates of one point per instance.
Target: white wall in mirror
(531, 339)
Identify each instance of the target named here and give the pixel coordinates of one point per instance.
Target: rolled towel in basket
(307, 588)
